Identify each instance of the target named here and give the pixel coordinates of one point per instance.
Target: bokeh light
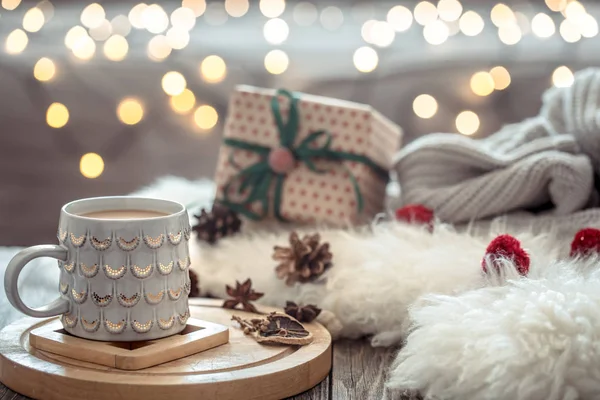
(101, 32)
(158, 48)
(73, 35)
(120, 25)
(305, 13)
(588, 26)
(92, 15)
(57, 115)
(10, 4)
(467, 123)
(276, 31)
(381, 33)
(84, 48)
(449, 10)
(237, 8)
(569, 31)
(272, 8)
(562, 77)
(332, 18)
(130, 111)
(183, 18)
(44, 69)
(135, 15)
(197, 6)
(91, 165)
(215, 13)
(178, 38)
(556, 5)
(213, 69)
(206, 117)
(33, 20)
(155, 19)
(574, 11)
(276, 62)
(502, 15)
(436, 32)
(173, 83)
(471, 23)
(510, 34)
(400, 18)
(425, 13)
(183, 102)
(543, 26)
(16, 42)
(425, 106)
(365, 59)
(501, 77)
(47, 9)
(482, 83)
(116, 48)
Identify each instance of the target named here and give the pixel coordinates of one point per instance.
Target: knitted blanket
(538, 173)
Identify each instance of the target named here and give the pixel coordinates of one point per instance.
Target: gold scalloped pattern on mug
(69, 267)
(175, 294)
(101, 245)
(187, 233)
(77, 241)
(114, 327)
(183, 317)
(63, 288)
(142, 272)
(165, 269)
(101, 301)
(175, 238)
(183, 263)
(90, 326)
(79, 297)
(128, 245)
(69, 321)
(89, 271)
(128, 301)
(154, 298)
(165, 324)
(114, 273)
(61, 235)
(154, 243)
(141, 327)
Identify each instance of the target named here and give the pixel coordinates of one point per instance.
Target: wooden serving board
(240, 369)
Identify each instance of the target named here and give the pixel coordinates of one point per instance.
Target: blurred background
(103, 98)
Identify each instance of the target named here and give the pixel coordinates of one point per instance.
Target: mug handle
(11, 277)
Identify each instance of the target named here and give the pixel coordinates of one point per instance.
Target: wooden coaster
(196, 337)
(239, 369)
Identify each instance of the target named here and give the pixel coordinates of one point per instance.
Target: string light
(10, 4)
(425, 13)
(158, 48)
(120, 25)
(33, 20)
(92, 15)
(44, 70)
(213, 69)
(135, 15)
(183, 18)
(276, 31)
(400, 18)
(482, 83)
(562, 77)
(276, 62)
(305, 13)
(57, 115)
(365, 59)
(206, 117)
(16, 42)
(365, 30)
(332, 18)
(102, 31)
(183, 102)
(215, 13)
(574, 10)
(155, 19)
(173, 83)
(130, 111)
(569, 32)
(588, 26)
(91, 165)
(116, 48)
(467, 123)
(436, 32)
(449, 10)
(501, 77)
(178, 38)
(381, 34)
(510, 34)
(543, 26)
(84, 48)
(272, 8)
(425, 106)
(471, 23)
(502, 15)
(237, 8)
(556, 5)
(73, 35)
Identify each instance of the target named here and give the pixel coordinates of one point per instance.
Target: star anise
(242, 294)
(305, 260)
(275, 328)
(302, 313)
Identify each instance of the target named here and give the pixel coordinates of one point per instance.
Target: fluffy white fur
(529, 339)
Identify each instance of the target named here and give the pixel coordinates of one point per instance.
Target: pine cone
(305, 260)
(302, 313)
(218, 223)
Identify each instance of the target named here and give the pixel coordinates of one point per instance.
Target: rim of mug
(168, 207)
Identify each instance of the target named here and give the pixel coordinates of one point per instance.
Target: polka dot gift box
(303, 158)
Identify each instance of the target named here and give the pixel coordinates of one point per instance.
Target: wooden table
(358, 372)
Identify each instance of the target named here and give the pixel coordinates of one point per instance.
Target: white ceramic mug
(120, 279)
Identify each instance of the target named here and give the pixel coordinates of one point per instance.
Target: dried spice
(216, 224)
(302, 313)
(242, 294)
(305, 260)
(195, 284)
(276, 328)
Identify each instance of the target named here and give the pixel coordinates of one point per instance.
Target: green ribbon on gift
(259, 177)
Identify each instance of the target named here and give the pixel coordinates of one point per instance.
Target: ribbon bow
(259, 177)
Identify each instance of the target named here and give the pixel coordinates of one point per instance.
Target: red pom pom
(506, 246)
(416, 214)
(586, 242)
